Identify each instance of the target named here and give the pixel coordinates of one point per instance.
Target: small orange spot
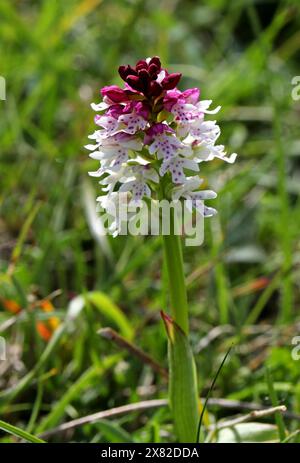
(260, 283)
(47, 328)
(46, 306)
(43, 331)
(11, 305)
(251, 286)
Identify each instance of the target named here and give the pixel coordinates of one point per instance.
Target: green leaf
(24, 232)
(15, 431)
(13, 392)
(113, 432)
(248, 432)
(106, 307)
(208, 394)
(274, 400)
(182, 383)
(74, 392)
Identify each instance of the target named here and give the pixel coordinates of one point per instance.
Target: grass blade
(274, 400)
(208, 395)
(17, 432)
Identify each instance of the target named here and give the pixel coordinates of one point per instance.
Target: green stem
(174, 262)
(183, 390)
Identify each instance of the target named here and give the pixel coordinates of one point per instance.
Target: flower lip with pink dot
(172, 97)
(141, 108)
(156, 129)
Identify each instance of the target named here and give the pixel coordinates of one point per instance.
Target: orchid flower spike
(149, 130)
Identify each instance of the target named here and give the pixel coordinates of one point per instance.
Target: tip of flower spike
(155, 60)
(148, 78)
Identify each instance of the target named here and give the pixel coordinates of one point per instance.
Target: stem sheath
(183, 390)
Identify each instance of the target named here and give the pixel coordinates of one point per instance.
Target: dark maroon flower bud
(125, 71)
(114, 93)
(155, 88)
(144, 76)
(135, 83)
(155, 60)
(153, 70)
(171, 80)
(142, 64)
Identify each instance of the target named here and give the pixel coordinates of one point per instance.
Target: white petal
(190, 164)
(96, 155)
(231, 159)
(97, 173)
(91, 147)
(209, 211)
(205, 104)
(204, 194)
(99, 107)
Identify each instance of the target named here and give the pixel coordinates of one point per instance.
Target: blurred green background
(243, 281)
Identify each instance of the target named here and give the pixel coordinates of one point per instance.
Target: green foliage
(17, 432)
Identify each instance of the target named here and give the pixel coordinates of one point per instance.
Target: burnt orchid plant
(151, 140)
